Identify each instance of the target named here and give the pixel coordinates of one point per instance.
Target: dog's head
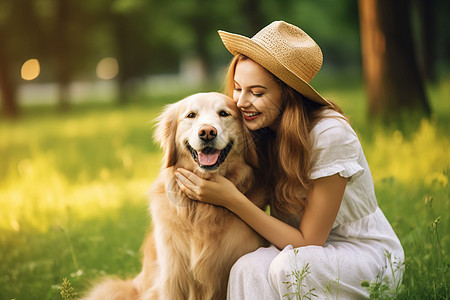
(204, 132)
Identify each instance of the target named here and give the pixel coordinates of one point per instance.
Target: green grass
(73, 185)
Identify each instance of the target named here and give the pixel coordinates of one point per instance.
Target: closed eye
(191, 115)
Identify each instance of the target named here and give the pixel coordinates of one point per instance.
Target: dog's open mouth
(209, 158)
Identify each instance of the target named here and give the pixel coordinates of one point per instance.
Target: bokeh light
(30, 69)
(107, 68)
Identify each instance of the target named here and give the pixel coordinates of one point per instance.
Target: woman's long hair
(286, 152)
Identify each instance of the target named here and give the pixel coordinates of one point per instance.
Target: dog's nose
(207, 133)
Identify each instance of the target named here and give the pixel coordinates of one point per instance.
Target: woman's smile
(250, 116)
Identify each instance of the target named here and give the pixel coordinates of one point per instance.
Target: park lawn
(73, 193)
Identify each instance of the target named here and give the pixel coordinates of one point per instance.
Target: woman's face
(257, 94)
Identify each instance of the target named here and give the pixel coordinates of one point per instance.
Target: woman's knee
(290, 260)
(280, 265)
(255, 262)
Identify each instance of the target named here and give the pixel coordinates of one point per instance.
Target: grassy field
(73, 185)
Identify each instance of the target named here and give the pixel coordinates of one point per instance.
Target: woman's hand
(217, 190)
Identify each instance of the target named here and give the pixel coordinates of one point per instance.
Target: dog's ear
(250, 153)
(165, 133)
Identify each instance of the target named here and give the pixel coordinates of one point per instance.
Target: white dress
(356, 250)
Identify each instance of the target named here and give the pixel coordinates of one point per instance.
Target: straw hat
(286, 51)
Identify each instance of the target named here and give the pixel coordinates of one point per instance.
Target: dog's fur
(193, 245)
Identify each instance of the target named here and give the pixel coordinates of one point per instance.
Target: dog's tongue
(208, 157)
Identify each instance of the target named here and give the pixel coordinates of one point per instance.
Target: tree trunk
(63, 64)
(126, 57)
(10, 109)
(252, 9)
(426, 9)
(201, 50)
(392, 76)
(200, 23)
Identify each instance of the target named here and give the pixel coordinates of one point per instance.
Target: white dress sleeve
(336, 150)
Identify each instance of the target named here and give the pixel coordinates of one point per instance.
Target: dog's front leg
(173, 280)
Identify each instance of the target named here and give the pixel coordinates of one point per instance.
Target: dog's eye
(223, 113)
(191, 115)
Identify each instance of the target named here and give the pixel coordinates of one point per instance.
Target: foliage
(296, 283)
(67, 291)
(387, 287)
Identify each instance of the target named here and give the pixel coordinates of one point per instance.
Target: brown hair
(286, 153)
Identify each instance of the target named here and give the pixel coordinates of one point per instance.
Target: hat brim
(238, 44)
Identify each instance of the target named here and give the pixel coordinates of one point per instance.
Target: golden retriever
(193, 245)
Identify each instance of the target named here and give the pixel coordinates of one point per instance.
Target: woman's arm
(318, 217)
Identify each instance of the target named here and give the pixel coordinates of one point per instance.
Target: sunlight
(107, 68)
(30, 69)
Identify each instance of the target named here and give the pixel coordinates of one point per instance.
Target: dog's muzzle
(209, 158)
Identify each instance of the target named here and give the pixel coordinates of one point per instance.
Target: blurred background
(81, 82)
(60, 52)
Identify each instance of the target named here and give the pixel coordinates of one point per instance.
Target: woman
(324, 219)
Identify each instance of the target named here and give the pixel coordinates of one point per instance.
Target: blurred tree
(128, 23)
(426, 10)
(17, 20)
(61, 52)
(334, 25)
(149, 37)
(254, 14)
(393, 80)
(191, 29)
(144, 39)
(72, 30)
(7, 83)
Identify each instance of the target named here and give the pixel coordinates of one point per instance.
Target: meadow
(73, 188)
